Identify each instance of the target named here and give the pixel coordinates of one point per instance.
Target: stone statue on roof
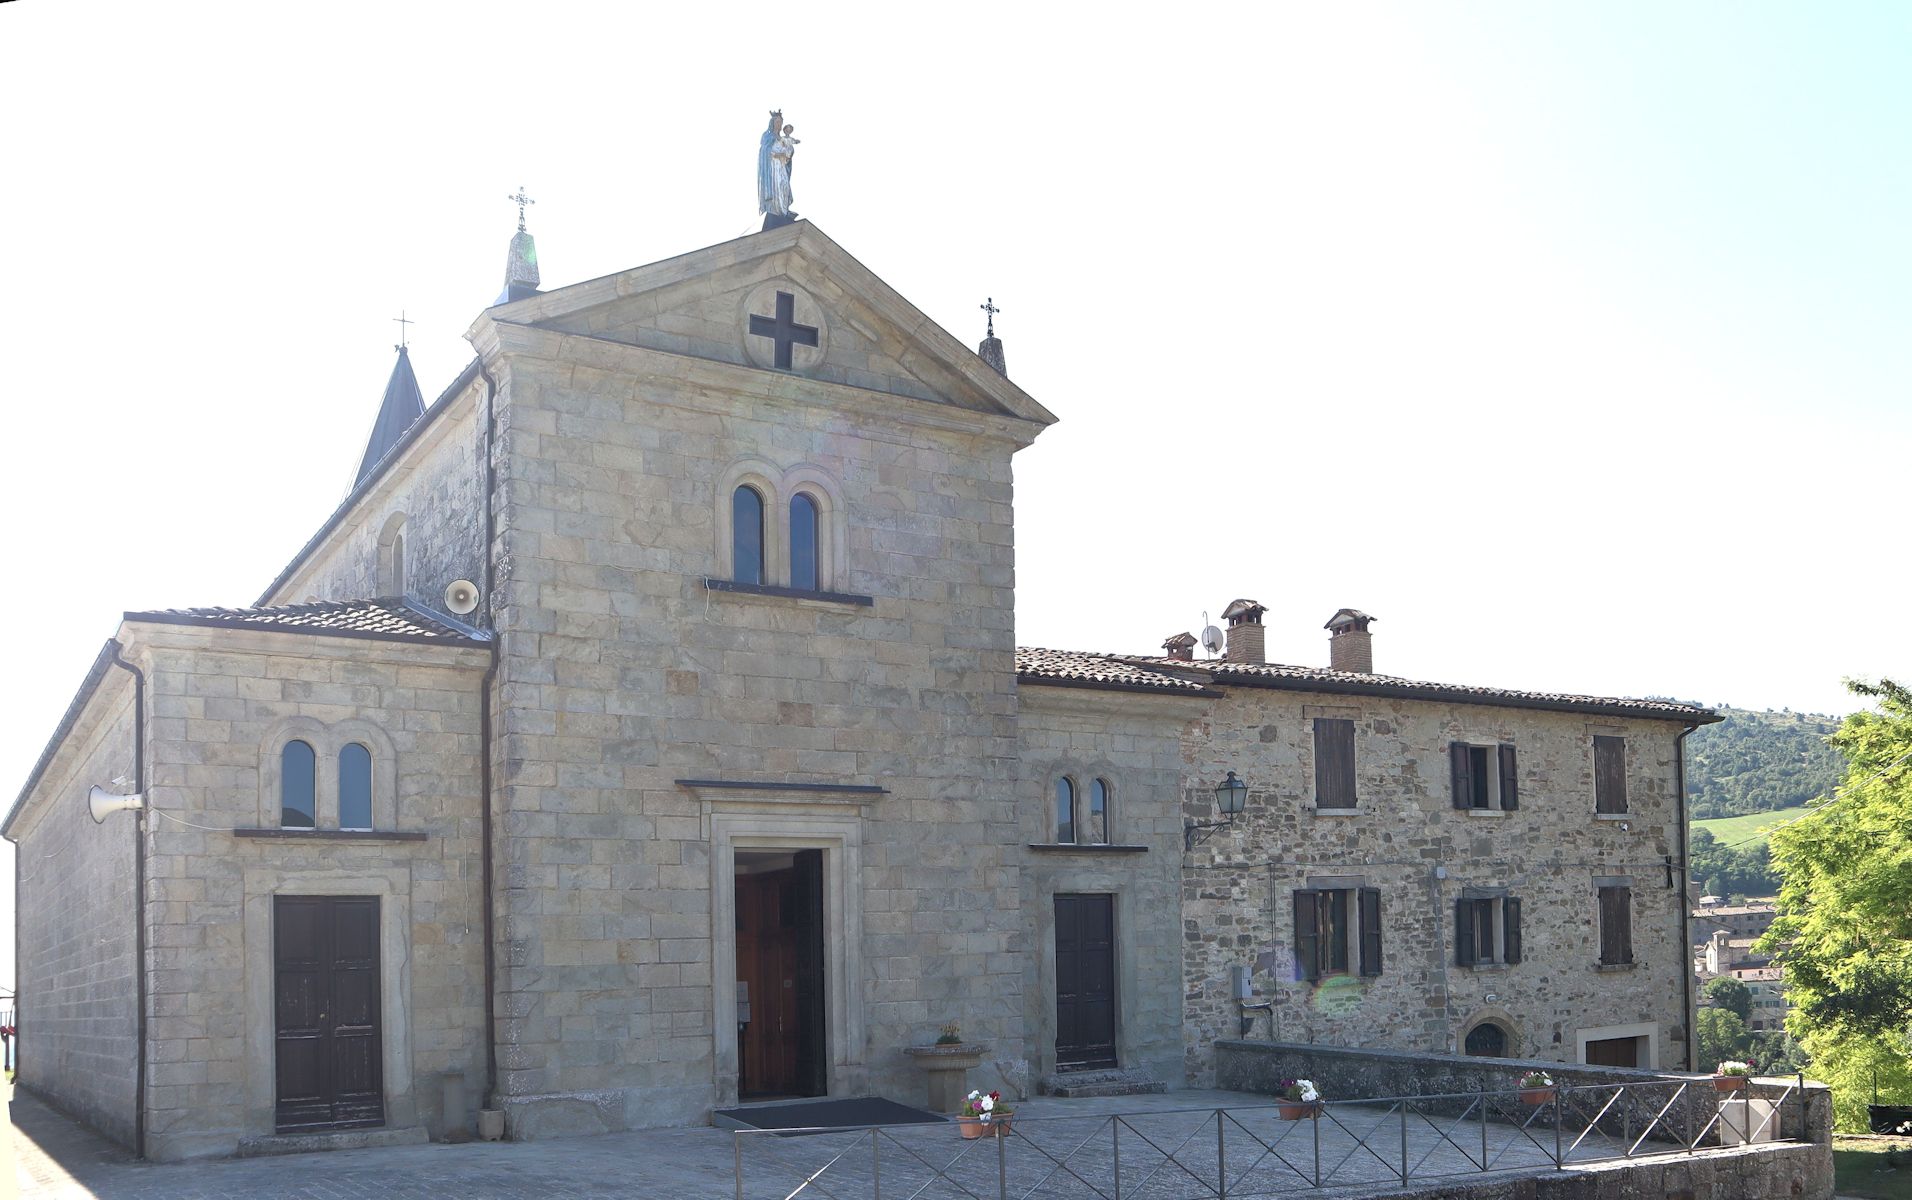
(775, 149)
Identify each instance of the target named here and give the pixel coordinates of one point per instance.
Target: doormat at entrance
(852, 1113)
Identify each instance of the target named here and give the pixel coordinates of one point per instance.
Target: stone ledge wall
(1344, 1074)
(1802, 1171)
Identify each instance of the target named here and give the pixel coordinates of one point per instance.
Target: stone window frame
(391, 556)
(1360, 929)
(1501, 761)
(777, 486)
(1505, 939)
(1618, 806)
(1074, 773)
(1314, 714)
(328, 741)
(1622, 941)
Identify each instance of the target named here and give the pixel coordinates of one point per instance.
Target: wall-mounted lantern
(1231, 795)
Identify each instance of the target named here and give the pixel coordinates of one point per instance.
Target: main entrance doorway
(329, 1071)
(780, 1015)
(1085, 982)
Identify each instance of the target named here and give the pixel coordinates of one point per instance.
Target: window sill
(1488, 966)
(334, 835)
(1082, 848)
(1488, 812)
(785, 593)
(1612, 816)
(1336, 812)
(1604, 968)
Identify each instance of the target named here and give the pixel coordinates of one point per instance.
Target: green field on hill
(1734, 830)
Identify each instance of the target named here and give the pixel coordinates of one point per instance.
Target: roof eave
(475, 640)
(102, 663)
(1349, 687)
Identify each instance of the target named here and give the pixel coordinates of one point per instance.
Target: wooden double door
(780, 1048)
(328, 1069)
(1085, 982)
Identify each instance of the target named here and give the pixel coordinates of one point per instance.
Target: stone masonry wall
(1133, 742)
(77, 1015)
(224, 703)
(623, 674)
(1406, 839)
(436, 487)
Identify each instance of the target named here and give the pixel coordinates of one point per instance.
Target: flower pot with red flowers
(984, 1115)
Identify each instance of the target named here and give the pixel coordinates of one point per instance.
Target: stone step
(1075, 1084)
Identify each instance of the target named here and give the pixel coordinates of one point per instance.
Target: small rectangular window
(1484, 777)
(1609, 774)
(1334, 762)
(1327, 942)
(1486, 930)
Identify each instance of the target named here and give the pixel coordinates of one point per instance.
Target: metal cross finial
(990, 308)
(403, 339)
(522, 200)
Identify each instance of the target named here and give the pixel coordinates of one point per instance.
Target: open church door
(813, 1059)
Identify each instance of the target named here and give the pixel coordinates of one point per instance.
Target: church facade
(646, 732)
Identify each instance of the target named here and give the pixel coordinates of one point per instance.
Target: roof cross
(521, 200)
(403, 339)
(990, 307)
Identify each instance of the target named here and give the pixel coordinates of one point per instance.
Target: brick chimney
(1181, 646)
(1245, 633)
(1350, 645)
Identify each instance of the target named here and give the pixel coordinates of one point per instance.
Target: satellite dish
(101, 803)
(1212, 640)
(461, 596)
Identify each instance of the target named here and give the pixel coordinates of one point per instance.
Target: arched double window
(1082, 816)
(746, 535)
(298, 787)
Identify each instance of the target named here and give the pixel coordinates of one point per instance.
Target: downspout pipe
(1686, 906)
(488, 915)
(139, 900)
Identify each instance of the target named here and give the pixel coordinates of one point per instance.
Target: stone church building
(646, 731)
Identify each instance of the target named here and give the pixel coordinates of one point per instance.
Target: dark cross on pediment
(990, 307)
(783, 329)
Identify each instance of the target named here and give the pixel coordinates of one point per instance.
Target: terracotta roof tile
(1083, 669)
(385, 620)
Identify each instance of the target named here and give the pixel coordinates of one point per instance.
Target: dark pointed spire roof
(402, 405)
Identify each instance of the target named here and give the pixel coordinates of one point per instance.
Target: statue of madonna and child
(774, 152)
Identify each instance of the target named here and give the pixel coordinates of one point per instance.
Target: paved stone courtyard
(1167, 1147)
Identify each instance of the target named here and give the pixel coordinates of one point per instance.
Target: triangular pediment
(787, 300)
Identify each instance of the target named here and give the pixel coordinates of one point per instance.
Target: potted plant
(1536, 1087)
(984, 1115)
(952, 1035)
(1298, 1098)
(1732, 1076)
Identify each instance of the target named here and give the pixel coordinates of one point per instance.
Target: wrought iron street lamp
(1231, 795)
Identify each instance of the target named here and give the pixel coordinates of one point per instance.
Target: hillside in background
(1754, 762)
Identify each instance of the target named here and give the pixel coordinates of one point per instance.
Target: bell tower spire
(521, 262)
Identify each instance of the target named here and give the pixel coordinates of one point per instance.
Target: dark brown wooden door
(780, 964)
(1085, 982)
(1614, 1052)
(326, 967)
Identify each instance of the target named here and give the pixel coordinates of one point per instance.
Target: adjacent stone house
(646, 732)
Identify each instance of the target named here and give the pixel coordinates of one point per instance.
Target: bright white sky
(1568, 339)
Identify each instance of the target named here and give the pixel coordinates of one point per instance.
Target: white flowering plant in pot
(1300, 1091)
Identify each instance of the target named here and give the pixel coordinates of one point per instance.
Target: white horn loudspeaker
(461, 596)
(101, 803)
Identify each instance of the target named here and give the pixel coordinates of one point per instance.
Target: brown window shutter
(1609, 774)
(1334, 762)
(1307, 936)
(1623, 908)
(1463, 773)
(1510, 918)
(1333, 909)
(1464, 932)
(1370, 931)
(1509, 778)
(1612, 948)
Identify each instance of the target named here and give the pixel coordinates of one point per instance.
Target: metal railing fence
(1252, 1150)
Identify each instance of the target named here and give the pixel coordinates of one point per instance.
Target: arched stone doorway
(1487, 1040)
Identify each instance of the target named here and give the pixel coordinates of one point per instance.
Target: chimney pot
(1350, 645)
(1246, 635)
(1181, 646)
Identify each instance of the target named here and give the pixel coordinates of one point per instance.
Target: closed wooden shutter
(1509, 778)
(1609, 774)
(1307, 936)
(1616, 925)
(1370, 931)
(1464, 932)
(1334, 763)
(1510, 918)
(1461, 767)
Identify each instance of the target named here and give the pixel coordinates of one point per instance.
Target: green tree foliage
(1731, 870)
(1723, 1036)
(1732, 995)
(1844, 931)
(1759, 762)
